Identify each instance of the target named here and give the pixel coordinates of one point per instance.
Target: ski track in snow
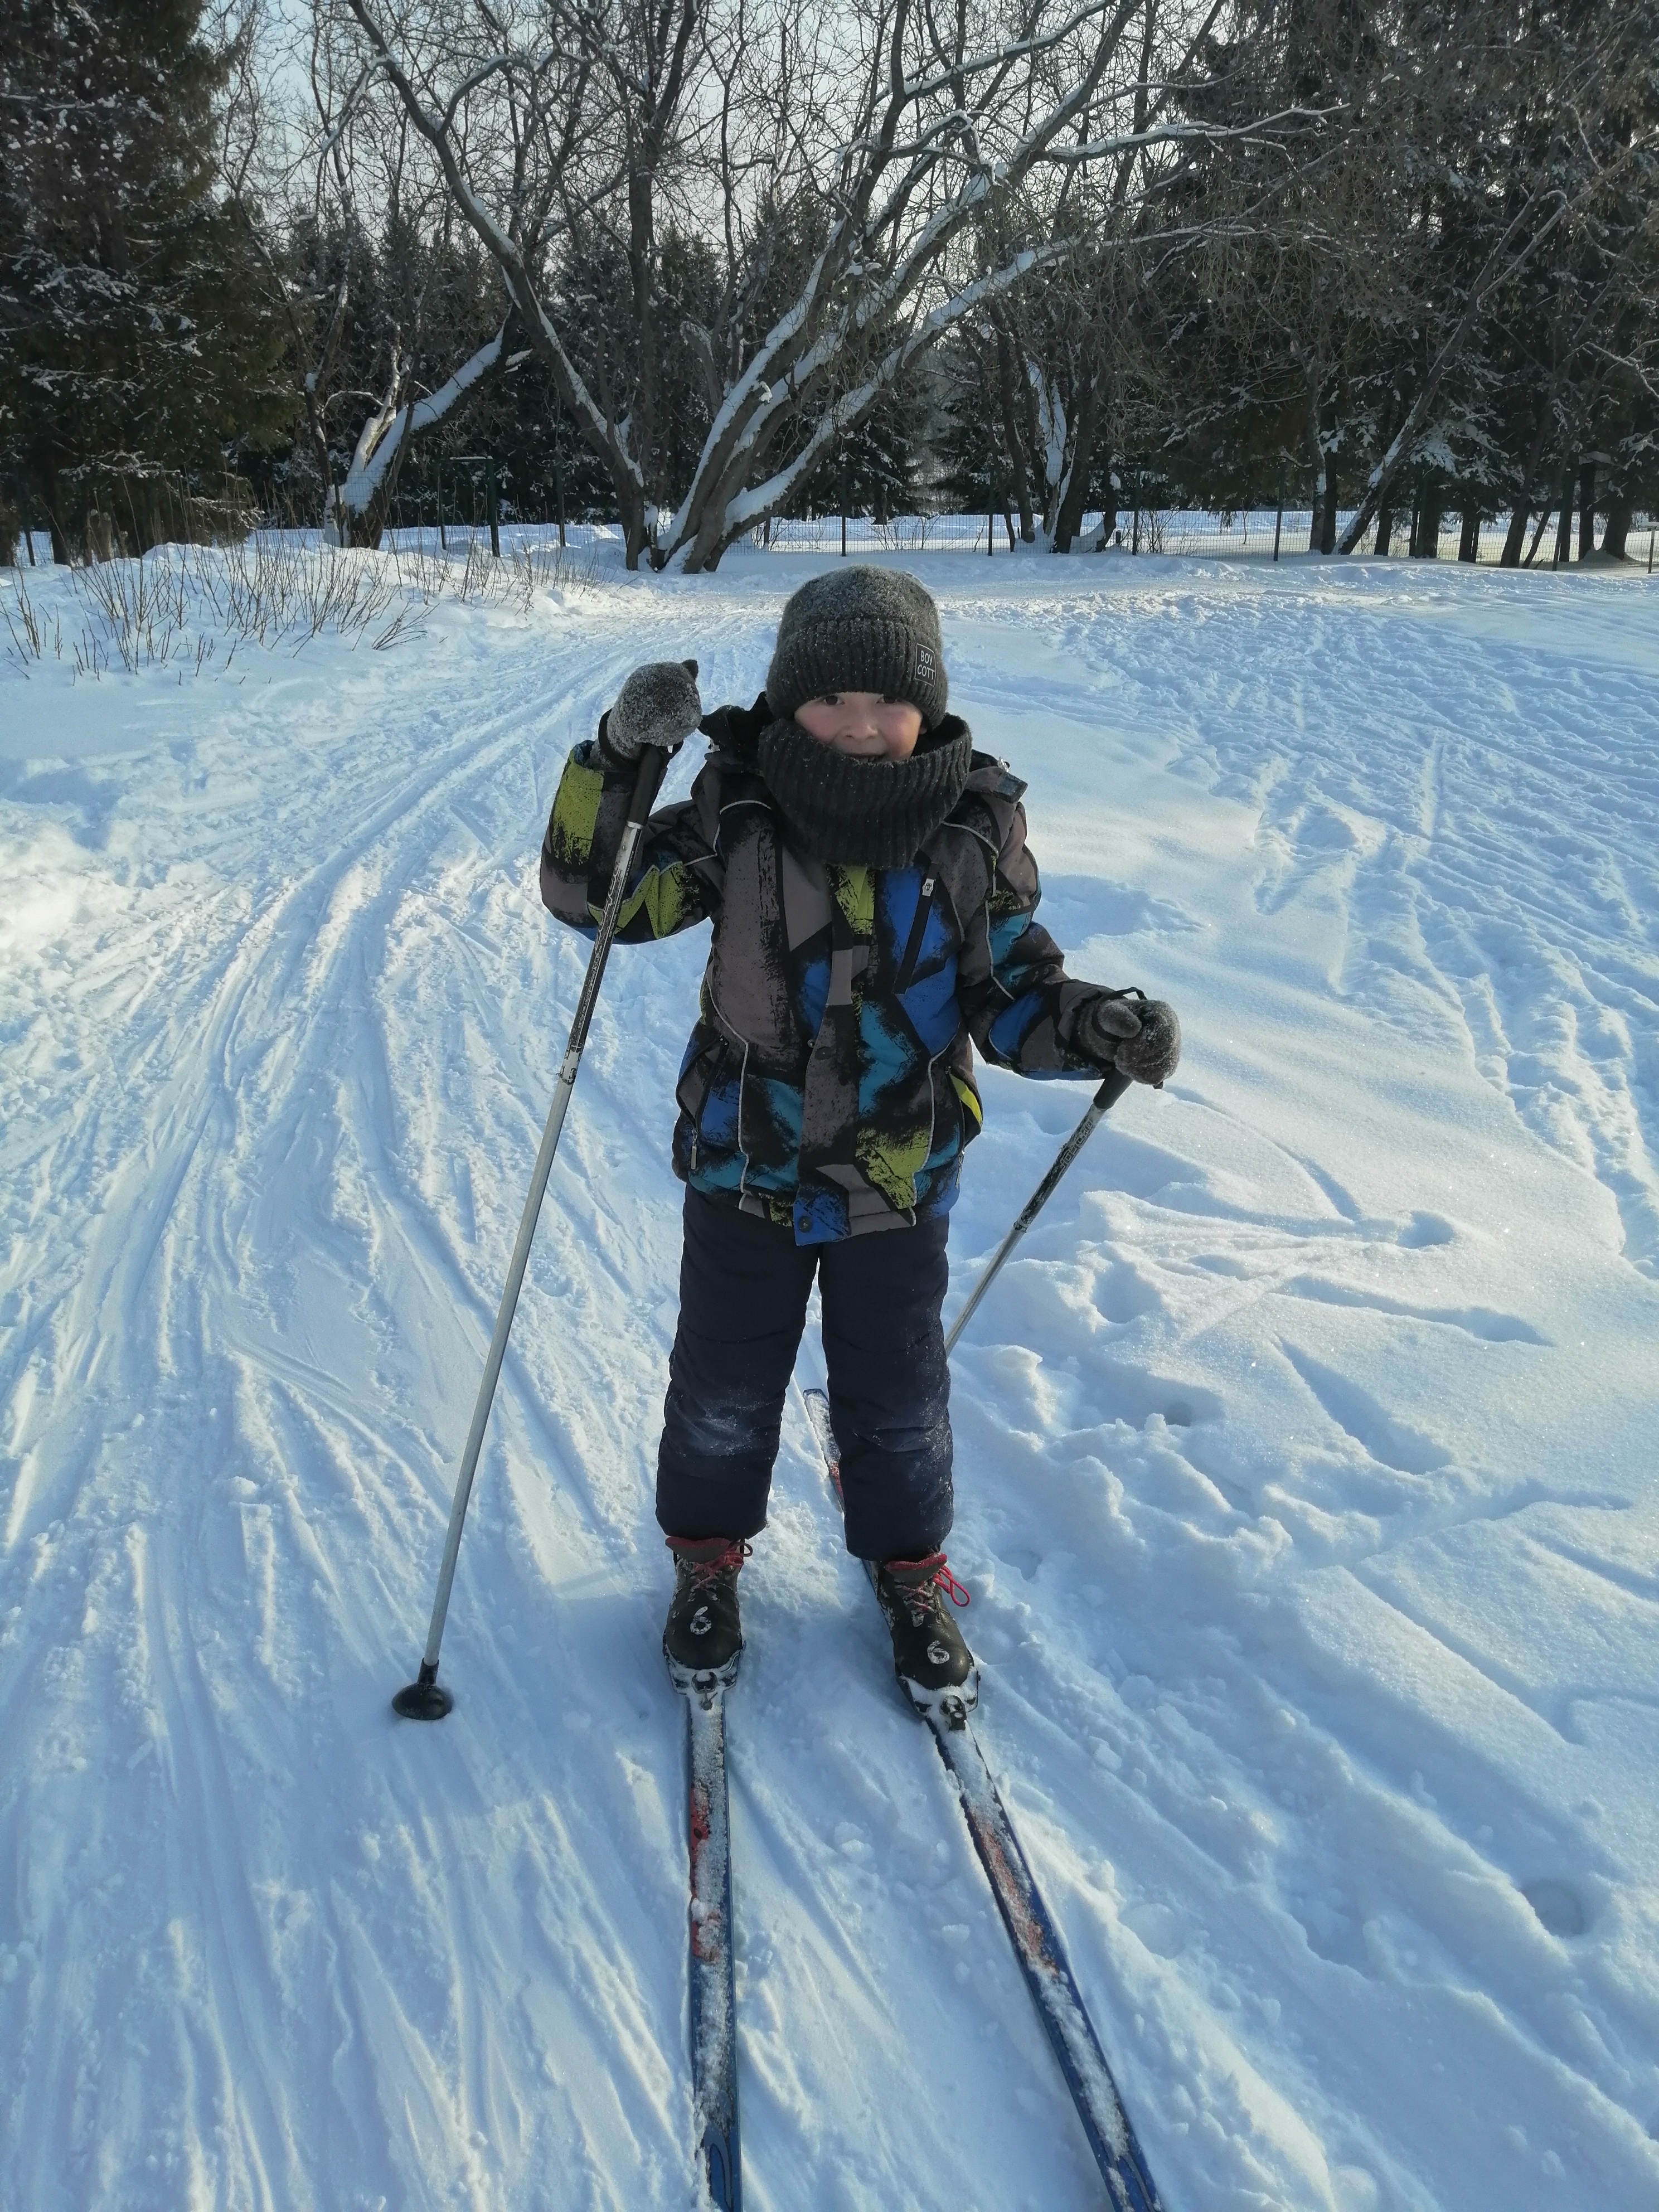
(1305, 1480)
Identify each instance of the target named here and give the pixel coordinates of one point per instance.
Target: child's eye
(830, 699)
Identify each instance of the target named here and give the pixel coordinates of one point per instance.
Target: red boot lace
(940, 1578)
(706, 1572)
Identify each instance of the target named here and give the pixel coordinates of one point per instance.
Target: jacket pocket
(700, 1075)
(717, 1122)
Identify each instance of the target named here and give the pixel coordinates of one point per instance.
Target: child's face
(866, 724)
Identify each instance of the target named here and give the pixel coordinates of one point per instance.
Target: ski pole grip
(648, 781)
(1111, 1091)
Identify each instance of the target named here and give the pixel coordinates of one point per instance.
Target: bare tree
(909, 167)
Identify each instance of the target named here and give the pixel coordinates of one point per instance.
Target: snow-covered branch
(392, 427)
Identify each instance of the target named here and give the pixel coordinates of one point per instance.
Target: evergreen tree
(136, 337)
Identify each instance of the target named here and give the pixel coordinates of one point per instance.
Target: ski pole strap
(653, 766)
(1111, 1090)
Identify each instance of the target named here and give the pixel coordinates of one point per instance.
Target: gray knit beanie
(859, 629)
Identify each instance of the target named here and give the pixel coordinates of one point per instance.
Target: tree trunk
(1034, 445)
(319, 449)
(364, 529)
(1563, 523)
(1586, 509)
(1108, 513)
(362, 504)
(1075, 498)
(1315, 379)
(1328, 519)
(1427, 547)
(1618, 529)
(1018, 462)
(1469, 543)
(45, 495)
(1385, 511)
(1528, 478)
(642, 426)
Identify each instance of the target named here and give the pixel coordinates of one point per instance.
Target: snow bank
(1306, 1481)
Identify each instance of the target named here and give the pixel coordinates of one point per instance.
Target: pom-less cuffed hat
(859, 629)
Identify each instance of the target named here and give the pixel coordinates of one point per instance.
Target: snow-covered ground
(1306, 1457)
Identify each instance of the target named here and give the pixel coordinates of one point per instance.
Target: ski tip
(720, 2163)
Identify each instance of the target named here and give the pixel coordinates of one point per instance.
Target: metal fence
(1262, 533)
(1266, 533)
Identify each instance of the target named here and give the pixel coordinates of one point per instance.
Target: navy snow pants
(743, 1288)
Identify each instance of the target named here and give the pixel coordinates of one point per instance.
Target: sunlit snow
(1306, 1464)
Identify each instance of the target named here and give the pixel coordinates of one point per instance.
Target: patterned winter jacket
(828, 1082)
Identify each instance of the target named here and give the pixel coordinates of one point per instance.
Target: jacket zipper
(918, 930)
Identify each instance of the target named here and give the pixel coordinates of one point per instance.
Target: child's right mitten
(1140, 1037)
(658, 705)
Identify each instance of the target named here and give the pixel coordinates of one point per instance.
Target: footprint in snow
(1559, 1908)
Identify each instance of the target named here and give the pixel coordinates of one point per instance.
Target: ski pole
(424, 1699)
(1103, 1100)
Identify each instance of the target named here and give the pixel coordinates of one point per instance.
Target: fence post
(1279, 519)
(1650, 535)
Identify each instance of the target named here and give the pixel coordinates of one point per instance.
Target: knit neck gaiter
(873, 813)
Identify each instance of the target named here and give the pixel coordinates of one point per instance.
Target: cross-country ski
(1030, 1924)
(713, 1990)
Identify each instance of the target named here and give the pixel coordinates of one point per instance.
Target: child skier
(872, 900)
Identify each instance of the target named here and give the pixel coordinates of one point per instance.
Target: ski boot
(934, 1666)
(703, 1637)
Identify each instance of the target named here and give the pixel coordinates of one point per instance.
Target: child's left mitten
(658, 705)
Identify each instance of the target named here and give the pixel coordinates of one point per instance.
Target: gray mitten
(1140, 1038)
(658, 705)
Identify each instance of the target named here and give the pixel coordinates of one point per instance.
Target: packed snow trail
(1306, 1487)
